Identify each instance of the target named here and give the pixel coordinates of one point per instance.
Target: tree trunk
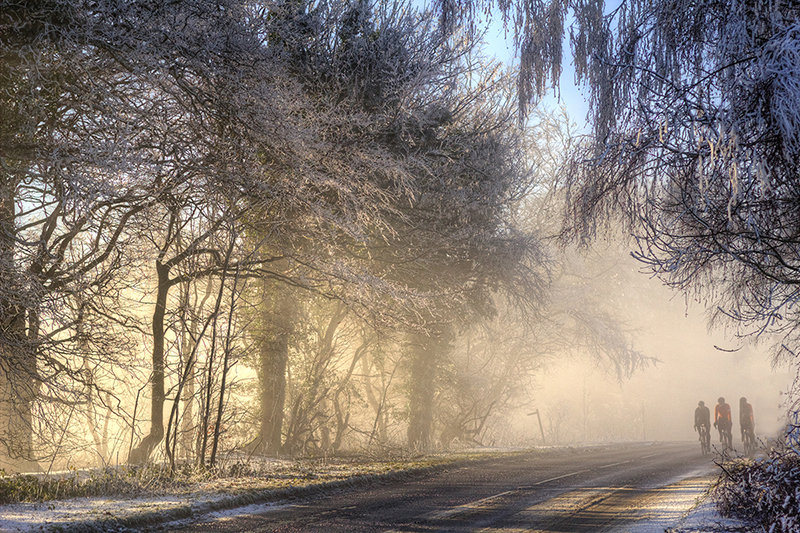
(378, 404)
(188, 424)
(141, 453)
(226, 365)
(342, 421)
(17, 355)
(100, 444)
(425, 351)
(421, 392)
(277, 316)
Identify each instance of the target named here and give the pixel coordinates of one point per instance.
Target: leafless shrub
(765, 492)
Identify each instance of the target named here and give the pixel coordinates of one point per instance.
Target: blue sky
(571, 96)
(501, 46)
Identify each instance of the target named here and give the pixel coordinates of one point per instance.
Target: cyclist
(747, 422)
(722, 421)
(702, 424)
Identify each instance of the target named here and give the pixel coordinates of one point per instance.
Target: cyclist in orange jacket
(722, 419)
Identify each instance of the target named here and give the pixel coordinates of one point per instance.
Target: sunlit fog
(581, 401)
(314, 229)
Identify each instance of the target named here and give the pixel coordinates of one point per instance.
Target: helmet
(701, 403)
(721, 399)
(742, 400)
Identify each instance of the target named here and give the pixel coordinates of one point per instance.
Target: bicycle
(749, 441)
(705, 439)
(725, 437)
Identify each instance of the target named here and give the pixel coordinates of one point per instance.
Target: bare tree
(444, 165)
(379, 363)
(314, 377)
(488, 373)
(557, 415)
(347, 151)
(68, 193)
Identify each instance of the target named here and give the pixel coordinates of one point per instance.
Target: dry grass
(237, 477)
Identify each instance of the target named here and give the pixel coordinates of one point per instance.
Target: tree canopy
(695, 108)
(308, 187)
(147, 148)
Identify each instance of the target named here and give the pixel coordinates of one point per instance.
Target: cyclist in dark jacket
(746, 420)
(702, 416)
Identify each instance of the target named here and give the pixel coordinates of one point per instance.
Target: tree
(538, 30)
(347, 150)
(704, 162)
(486, 373)
(180, 246)
(442, 164)
(495, 360)
(325, 180)
(316, 376)
(695, 143)
(68, 193)
(101, 125)
(277, 321)
(426, 353)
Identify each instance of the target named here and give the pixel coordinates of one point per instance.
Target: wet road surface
(635, 488)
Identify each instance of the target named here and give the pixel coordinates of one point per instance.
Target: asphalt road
(637, 488)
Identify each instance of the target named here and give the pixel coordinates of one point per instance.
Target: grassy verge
(238, 477)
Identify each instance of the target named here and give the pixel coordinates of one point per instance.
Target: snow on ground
(682, 507)
(704, 518)
(44, 516)
(229, 514)
(41, 516)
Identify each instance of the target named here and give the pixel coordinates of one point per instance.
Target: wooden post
(541, 429)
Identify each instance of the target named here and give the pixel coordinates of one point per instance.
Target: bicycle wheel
(705, 440)
(749, 442)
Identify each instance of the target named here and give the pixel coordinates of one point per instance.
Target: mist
(581, 400)
(365, 266)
